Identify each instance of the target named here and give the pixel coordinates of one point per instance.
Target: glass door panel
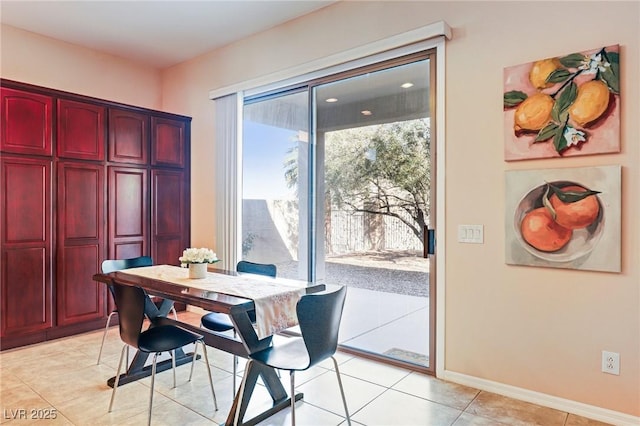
(275, 185)
(373, 137)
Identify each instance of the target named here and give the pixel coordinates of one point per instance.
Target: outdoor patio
(387, 306)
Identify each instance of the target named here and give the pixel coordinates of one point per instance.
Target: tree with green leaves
(380, 170)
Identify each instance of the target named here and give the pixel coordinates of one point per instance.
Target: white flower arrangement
(197, 255)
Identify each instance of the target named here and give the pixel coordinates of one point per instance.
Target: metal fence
(350, 231)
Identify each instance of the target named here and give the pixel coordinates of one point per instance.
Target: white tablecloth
(275, 301)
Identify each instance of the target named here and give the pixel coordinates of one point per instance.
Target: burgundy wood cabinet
(128, 212)
(128, 136)
(81, 130)
(26, 237)
(82, 180)
(80, 242)
(169, 222)
(26, 122)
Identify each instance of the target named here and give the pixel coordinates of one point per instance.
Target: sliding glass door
(275, 183)
(373, 131)
(337, 178)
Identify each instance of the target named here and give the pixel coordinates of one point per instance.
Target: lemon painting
(563, 106)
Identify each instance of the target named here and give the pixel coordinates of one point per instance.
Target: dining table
(272, 300)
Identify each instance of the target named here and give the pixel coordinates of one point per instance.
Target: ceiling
(155, 33)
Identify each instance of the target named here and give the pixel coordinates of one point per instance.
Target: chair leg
(153, 377)
(195, 356)
(175, 314)
(292, 375)
(344, 400)
(173, 364)
(115, 384)
(104, 335)
(235, 373)
(206, 361)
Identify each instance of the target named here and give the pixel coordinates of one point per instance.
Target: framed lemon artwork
(563, 106)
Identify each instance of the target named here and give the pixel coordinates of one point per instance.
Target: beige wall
(533, 328)
(536, 329)
(42, 61)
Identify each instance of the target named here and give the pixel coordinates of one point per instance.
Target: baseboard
(573, 407)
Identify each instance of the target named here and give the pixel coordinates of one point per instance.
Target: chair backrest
(111, 265)
(130, 304)
(268, 270)
(319, 316)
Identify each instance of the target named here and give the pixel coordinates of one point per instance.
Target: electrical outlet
(611, 362)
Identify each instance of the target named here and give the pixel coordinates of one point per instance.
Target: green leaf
(558, 76)
(573, 61)
(514, 98)
(559, 142)
(547, 132)
(611, 81)
(611, 76)
(612, 57)
(571, 196)
(564, 101)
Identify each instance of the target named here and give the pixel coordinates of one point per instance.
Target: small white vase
(197, 270)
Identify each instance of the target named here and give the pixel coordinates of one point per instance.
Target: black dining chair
(319, 316)
(111, 265)
(219, 322)
(130, 302)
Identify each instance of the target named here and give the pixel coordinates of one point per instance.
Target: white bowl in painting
(582, 240)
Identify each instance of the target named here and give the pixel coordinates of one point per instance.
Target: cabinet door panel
(26, 290)
(79, 298)
(81, 130)
(168, 145)
(168, 215)
(167, 250)
(27, 198)
(25, 266)
(128, 137)
(128, 250)
(79, 201)
(128, 211)
(26, 122)
(80, 242)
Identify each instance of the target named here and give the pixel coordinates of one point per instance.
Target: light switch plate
(473, 234)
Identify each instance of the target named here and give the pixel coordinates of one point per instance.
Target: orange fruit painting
(578, 214)
(564, 217)
(565, 207)
(542, 232)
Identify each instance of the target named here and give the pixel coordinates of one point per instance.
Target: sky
(264, 151)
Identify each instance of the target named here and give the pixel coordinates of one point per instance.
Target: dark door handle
(430, 242)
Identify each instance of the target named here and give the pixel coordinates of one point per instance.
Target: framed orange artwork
(564, 218)
(563, 106)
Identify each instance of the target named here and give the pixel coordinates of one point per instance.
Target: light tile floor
(62, 377)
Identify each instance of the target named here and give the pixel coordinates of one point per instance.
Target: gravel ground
(391, 272)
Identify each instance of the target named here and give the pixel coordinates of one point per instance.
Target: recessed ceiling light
(407, 85)
(366, 112)
(331, 100)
